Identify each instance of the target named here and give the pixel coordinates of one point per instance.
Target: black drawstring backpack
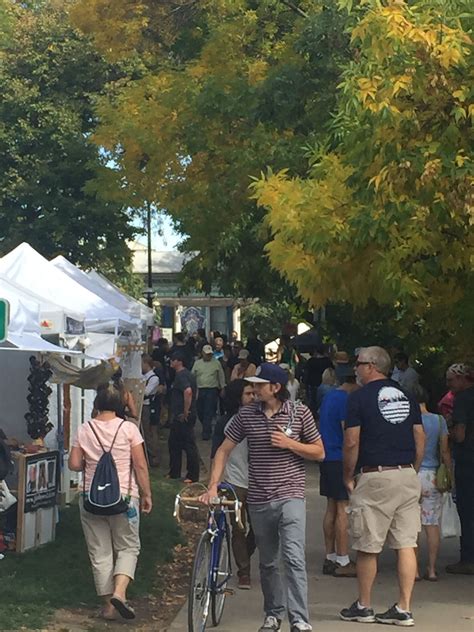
(104, 497)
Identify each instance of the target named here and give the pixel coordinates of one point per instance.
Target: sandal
(123, 608)
(427, 577)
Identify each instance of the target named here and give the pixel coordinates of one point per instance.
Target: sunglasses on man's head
(359, 363)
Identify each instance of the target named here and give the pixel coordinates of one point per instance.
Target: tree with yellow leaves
(386, 212)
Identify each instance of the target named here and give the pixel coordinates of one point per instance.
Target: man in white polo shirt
(280, 436)
(149, 426)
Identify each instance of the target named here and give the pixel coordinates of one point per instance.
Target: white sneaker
(271, 624)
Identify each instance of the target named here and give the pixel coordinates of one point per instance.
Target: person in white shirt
(404, 374)
(237, 394)
(149, 429)
(293, 385)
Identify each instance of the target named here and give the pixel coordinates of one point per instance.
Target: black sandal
(123, 608)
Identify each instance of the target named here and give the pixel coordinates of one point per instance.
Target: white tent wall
(52, 317)
(14, 372)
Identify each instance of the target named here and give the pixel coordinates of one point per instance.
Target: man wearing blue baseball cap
(281, 435)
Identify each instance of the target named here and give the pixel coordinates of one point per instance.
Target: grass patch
(33, 585)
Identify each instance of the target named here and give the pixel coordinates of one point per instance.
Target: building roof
(162, 261)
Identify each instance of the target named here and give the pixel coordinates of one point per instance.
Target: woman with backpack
(109, 450)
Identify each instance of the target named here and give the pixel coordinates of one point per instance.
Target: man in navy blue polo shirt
(280, 436)
(385, 440)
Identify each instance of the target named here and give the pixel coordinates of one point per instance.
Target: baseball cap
(207, 349)
(243, 354)
(346, 371)
(179, 355)
(268, 373)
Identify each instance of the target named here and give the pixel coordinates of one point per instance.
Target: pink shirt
(128, 437)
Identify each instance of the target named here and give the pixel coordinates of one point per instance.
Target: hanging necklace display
(39, 392)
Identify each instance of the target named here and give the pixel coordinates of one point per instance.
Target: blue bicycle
(212, 567)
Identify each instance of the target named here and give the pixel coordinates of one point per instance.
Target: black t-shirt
(386, 415)
(218, 435)
(232, 362)
(463, 413)
(314, 370)
(183, 380)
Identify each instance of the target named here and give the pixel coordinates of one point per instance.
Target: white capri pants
(113, 543)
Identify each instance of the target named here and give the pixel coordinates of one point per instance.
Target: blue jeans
(206, 409)
(280, 525)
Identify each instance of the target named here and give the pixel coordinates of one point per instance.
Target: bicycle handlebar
(217, 501)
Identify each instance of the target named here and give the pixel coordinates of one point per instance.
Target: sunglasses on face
(359, 363)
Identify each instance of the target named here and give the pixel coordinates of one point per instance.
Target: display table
(37, 477)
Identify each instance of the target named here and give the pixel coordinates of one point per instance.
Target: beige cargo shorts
(385, 506)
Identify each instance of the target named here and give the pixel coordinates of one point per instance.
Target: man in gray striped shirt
(281, 435)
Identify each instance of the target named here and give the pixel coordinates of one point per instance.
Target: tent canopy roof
(104, 289)
(28, 268)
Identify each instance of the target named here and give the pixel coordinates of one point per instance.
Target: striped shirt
(274, 473)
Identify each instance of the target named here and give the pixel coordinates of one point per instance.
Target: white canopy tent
(24, 331)
(105, 290)
(28, 268)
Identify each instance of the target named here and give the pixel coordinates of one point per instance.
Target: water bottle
(132, 514)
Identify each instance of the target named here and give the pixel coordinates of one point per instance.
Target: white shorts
(431, 498)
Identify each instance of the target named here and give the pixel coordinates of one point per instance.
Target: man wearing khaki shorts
(384, 439)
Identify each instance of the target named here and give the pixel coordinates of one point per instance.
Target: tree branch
(294, 8)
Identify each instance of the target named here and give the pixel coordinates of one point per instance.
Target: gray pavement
(445, 605)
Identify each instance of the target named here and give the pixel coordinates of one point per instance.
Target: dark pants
(150, 434)
(206, 409)
(464, 474)
(181, 439)
(312, 399)
(243, 541)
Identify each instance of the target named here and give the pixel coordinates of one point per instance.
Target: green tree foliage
(231, 88)
(49, 77)
(386, 213)
(268, 318)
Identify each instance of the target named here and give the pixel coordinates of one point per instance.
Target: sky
(169, 240)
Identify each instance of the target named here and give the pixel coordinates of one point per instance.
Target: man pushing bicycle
(281, 435)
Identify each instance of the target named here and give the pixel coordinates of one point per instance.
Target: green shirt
(209, 374)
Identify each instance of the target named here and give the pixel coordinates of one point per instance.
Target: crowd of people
(365, 420)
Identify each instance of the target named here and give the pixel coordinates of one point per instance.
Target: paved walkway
(446, 605)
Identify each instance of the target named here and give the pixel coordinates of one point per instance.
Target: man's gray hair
(379, 358)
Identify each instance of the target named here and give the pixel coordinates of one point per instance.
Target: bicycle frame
(217, 528)
(211, 593)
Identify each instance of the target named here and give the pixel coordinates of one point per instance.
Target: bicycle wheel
(199, 595)
(222, 577)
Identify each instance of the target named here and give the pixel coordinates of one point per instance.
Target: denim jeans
(280, 526)
(206, 409)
